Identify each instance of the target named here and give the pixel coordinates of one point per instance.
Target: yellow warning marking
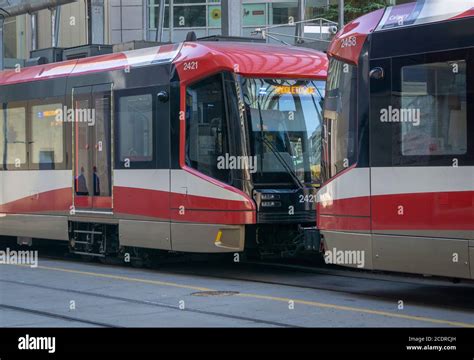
(219, 237)
(263, 297)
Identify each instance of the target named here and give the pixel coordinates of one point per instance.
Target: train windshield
(285, 119)
(340, 120)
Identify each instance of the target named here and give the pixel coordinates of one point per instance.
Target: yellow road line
(360, 310)
(264, 297)
(125, 278)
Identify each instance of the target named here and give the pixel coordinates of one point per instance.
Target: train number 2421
(191, 65)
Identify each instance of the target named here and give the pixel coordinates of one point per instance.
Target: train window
(433, 114)
(340, 119)
(101, 169)
(207, 138)
(135, 131)
(13, 152)
(285, 122)
(47, 135)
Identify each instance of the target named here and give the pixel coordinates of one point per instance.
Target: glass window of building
(154, 13)
(189, 15)
(254, 14)
(186, 13)
(284, 12)
(10, 38)
(205, 17)
(14, 39)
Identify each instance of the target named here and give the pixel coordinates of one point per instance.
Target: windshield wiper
(284, 163)
(276, 153)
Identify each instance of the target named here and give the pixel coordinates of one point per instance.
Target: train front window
(285, 129)
(340, 119)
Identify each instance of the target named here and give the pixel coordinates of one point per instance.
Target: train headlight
(267, 197)
(268, 204)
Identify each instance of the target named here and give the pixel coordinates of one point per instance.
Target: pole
(161, 22)
(55, 23)
(2, 55)
(97, 22)
(34, 31)
(341, 14)
(301, 18)
(231, 17)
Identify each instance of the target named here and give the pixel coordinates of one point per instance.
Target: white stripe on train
(398, 180)
(17, 185)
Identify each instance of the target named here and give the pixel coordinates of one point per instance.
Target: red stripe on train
(343, 223)
(148, 203)
(186, 208)
(465, 14)
(53, 201)
(359, 206)
(425, 211)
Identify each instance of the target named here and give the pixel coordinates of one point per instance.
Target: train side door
(92, 149)
(419, 157)
(142, 166)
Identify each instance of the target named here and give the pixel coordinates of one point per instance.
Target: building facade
(128, 20)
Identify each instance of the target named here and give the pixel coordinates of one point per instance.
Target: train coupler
(311, 238)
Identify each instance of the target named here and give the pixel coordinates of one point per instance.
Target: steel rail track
(345, 273)
(56, 316)
(134, 301)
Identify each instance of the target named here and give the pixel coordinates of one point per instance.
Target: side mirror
(377, 73)
(163, 96)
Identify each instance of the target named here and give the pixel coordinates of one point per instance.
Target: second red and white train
(398, 143)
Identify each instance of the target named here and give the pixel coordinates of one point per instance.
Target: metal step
(87, 232)
(88, 254)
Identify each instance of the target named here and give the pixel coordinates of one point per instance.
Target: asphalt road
(61, 293)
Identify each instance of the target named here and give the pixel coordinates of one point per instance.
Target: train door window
(83, 139)
(13, 137)
(434, 109)
(47, 135)
(135, 131)
(207, 141)
(101, 168)
(340, 119)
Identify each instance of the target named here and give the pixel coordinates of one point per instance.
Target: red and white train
(196, 147)
(398, 143)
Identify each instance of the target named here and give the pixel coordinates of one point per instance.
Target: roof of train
(244, 58)
(349, 41)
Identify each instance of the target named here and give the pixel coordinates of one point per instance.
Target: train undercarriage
(95, 241)
(101, 241)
